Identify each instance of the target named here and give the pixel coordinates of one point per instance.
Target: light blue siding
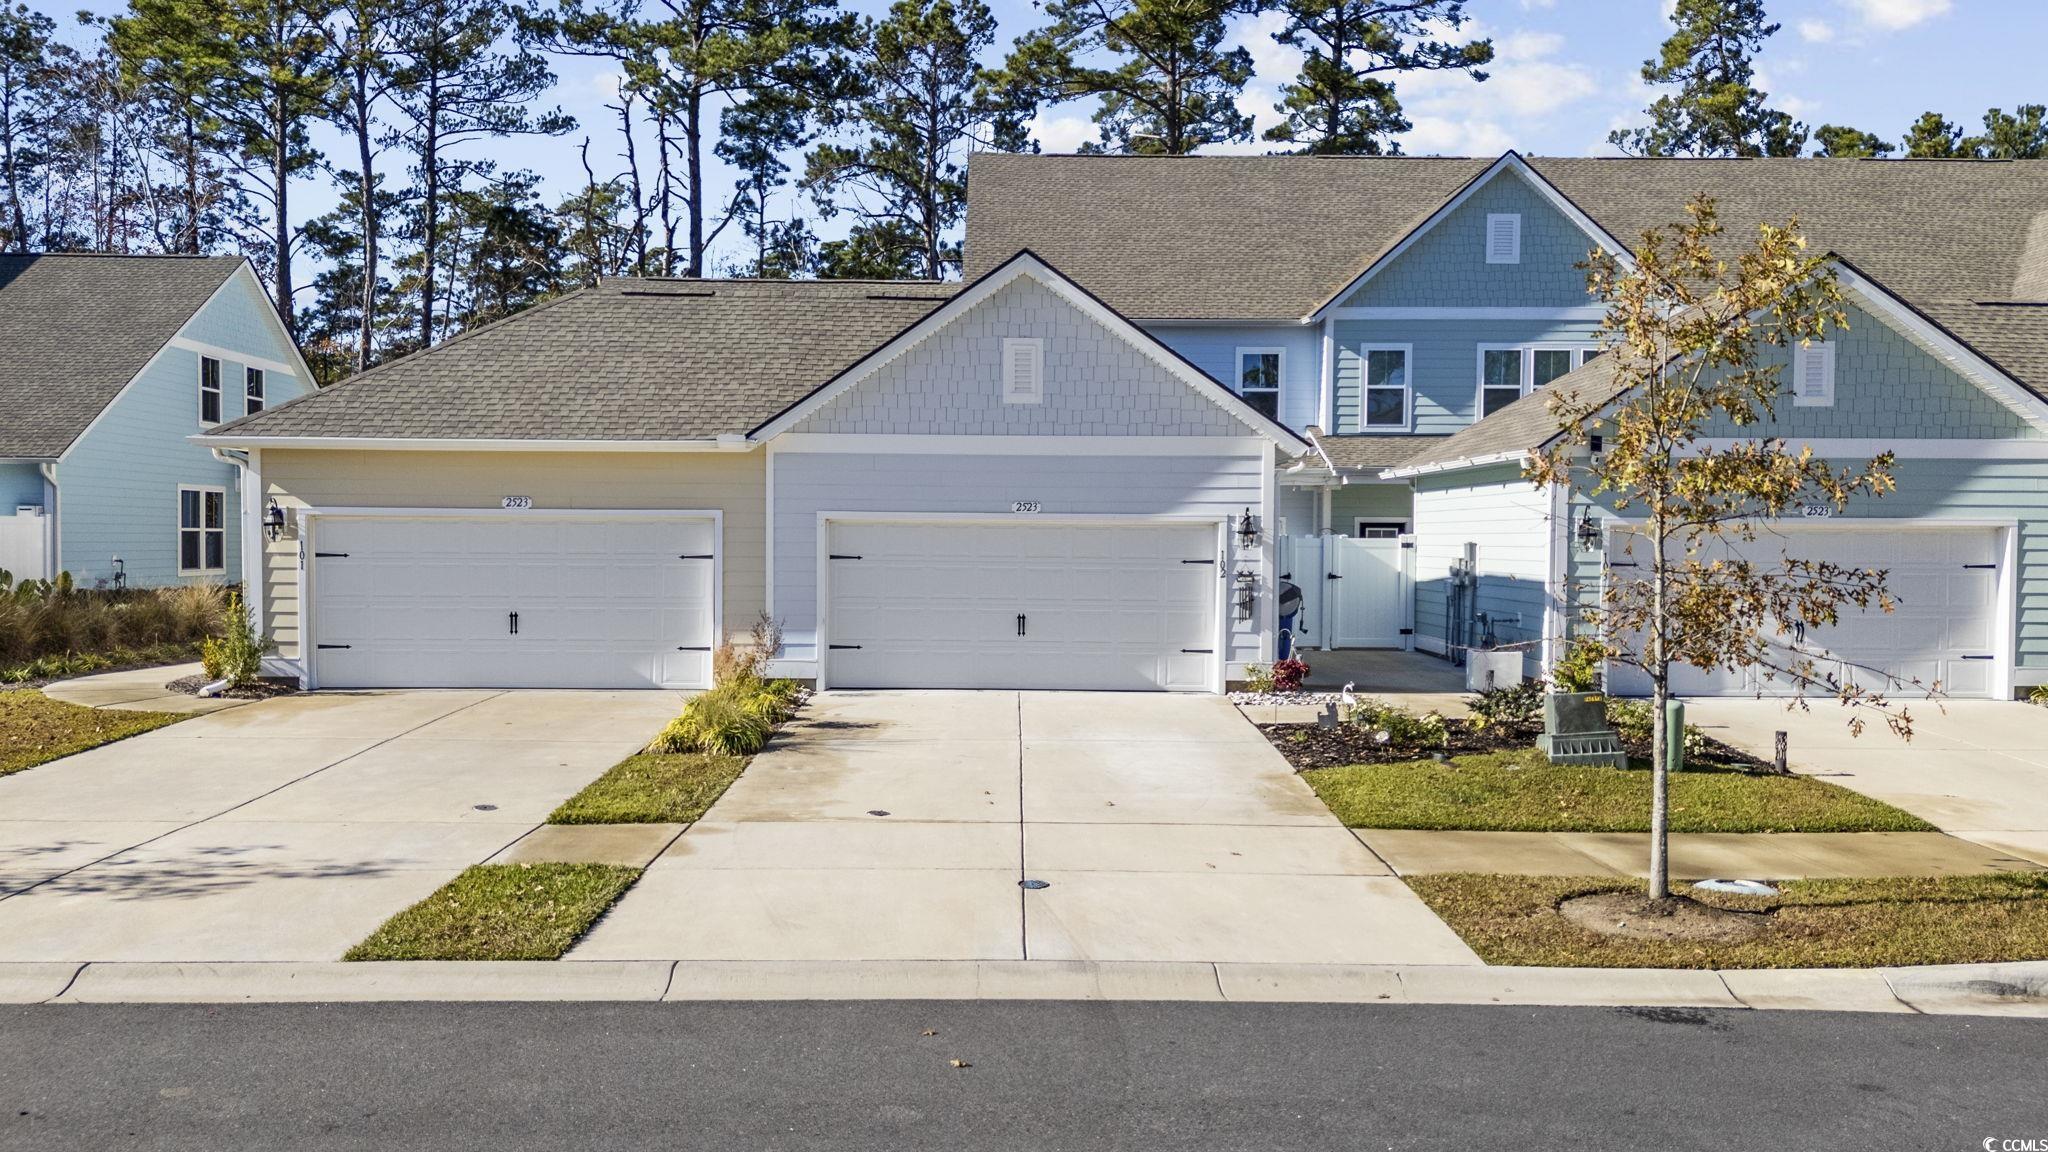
(119, 482)
(1445, 367)
(1446, 267)
(20, 483)
(1213, 349)
(807, 483)
(1886, 386)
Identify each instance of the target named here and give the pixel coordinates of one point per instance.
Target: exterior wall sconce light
(273, 521)
(1588, 534)
(1247, 530)
(1247, 593)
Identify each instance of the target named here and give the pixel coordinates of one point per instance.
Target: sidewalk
(136, 690)
(1694, 855)
(1981, 990)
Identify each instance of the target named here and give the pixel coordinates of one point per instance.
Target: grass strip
(501, 912)
(652, 788)
(35, 729)
(1521, 791)
(2000, 916)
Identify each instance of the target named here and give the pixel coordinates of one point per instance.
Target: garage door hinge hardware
(841, 556)
(1977, 657)
(1211, 561)
(333, 645)
(1622, 564)
(842, 647)
(342, 555)
(1199, 651)
(1980, 565)
(695, 556)
(693, 648)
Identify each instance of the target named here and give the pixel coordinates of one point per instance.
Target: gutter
(1457, 464)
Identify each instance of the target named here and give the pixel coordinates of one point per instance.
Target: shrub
(1515, 706)
(1288, 675)
(1258, 678)
(1403, 729)
(1633, 721)
(735, 662)
(236, 655)
(1579, 669)
(42, 618)
(727, 720)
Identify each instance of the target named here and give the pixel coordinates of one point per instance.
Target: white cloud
(1528, 5)
(1059, 132)
(1448, 137)
(1527, 85)
(1816, 31)
(1893, 15)
(1271, 60)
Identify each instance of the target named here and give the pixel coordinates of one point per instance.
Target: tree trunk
(693, 162)
(1660, 692)
(189, 241)
(430, 208)
(367, 190)
(281, 234)
(9, 173)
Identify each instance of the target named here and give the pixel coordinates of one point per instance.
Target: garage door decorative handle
(1020, 623)
(514, 620)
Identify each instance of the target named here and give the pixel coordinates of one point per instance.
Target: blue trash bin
(1290, 610)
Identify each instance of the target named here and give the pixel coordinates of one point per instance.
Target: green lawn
(652, 788)
(501, 912)
(1521, 791)
(35, 729)
(1813, 923)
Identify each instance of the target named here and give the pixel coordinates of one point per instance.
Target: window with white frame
(1258, 378)
(1503, 238)
(1813, 375)
(252, 390)
(1385, 404)
(202, 529)
(1023, 370)
(209, 390)
(1508, 372)
(1369, 529)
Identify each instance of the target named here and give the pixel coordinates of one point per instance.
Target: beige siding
(734, 483)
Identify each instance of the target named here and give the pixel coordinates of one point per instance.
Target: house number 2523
(1024, 506)
(517, 502)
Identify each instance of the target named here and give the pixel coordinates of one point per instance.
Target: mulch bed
(1309, 746)
(260, 690)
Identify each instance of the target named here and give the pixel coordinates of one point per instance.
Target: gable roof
(1273, 237)
(1519, 429)
(1025, 264)
(650, 360)
(76, 328)
(1372, 454)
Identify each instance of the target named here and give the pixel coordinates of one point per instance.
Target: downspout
(52, 554)
(250, 515)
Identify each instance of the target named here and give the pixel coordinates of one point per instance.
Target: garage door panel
(936, 605)
(427, 601)
(1944, 626)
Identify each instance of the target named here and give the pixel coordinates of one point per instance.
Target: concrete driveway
(898, 825)
(1977, 769)
(290, 828)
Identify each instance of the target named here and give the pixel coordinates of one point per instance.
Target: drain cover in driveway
(1034, 885)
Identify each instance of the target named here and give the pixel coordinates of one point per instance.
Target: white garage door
(1943, 627)
(961, 605)
(514, 602)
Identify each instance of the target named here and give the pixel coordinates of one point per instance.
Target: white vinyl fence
(1355, 593)
(24, 540)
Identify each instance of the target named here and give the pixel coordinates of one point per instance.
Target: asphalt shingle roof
(628, 359)
(1351, 453)
(1273, 237)
(74, 329)
(1522, 426)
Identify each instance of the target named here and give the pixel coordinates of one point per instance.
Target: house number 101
(1024, 506)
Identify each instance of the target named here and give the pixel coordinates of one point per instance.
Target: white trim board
(899, 444)
(243, 358)
(1027, 264)
(1907, 449)
(1588, 312)
(1509, 161)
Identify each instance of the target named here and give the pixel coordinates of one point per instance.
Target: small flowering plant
(1288, 675)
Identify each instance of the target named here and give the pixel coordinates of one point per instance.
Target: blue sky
(1565, 75)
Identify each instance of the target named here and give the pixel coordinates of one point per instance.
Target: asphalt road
(1036, 1076)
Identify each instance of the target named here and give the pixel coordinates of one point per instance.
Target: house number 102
(1024, 506)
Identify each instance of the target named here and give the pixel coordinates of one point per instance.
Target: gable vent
(1813, 376)
(1023, 370)
(1504, 238)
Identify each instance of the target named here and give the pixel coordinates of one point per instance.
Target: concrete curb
(1979, 989)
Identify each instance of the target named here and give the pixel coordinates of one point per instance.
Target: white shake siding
(809, 483)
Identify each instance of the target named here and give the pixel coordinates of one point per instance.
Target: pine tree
(29, 95)
(1840, 142)
(1933, 138)
(1169, 86)
(359, 50)
(1717, 110)
(925, 102)
(1343, 101)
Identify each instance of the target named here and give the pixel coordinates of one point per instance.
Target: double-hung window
(202, 530)
(252, 390)
(1500, 379)
(1258, 378)
(209, 390)
(1509, 372)
(1386, 401)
